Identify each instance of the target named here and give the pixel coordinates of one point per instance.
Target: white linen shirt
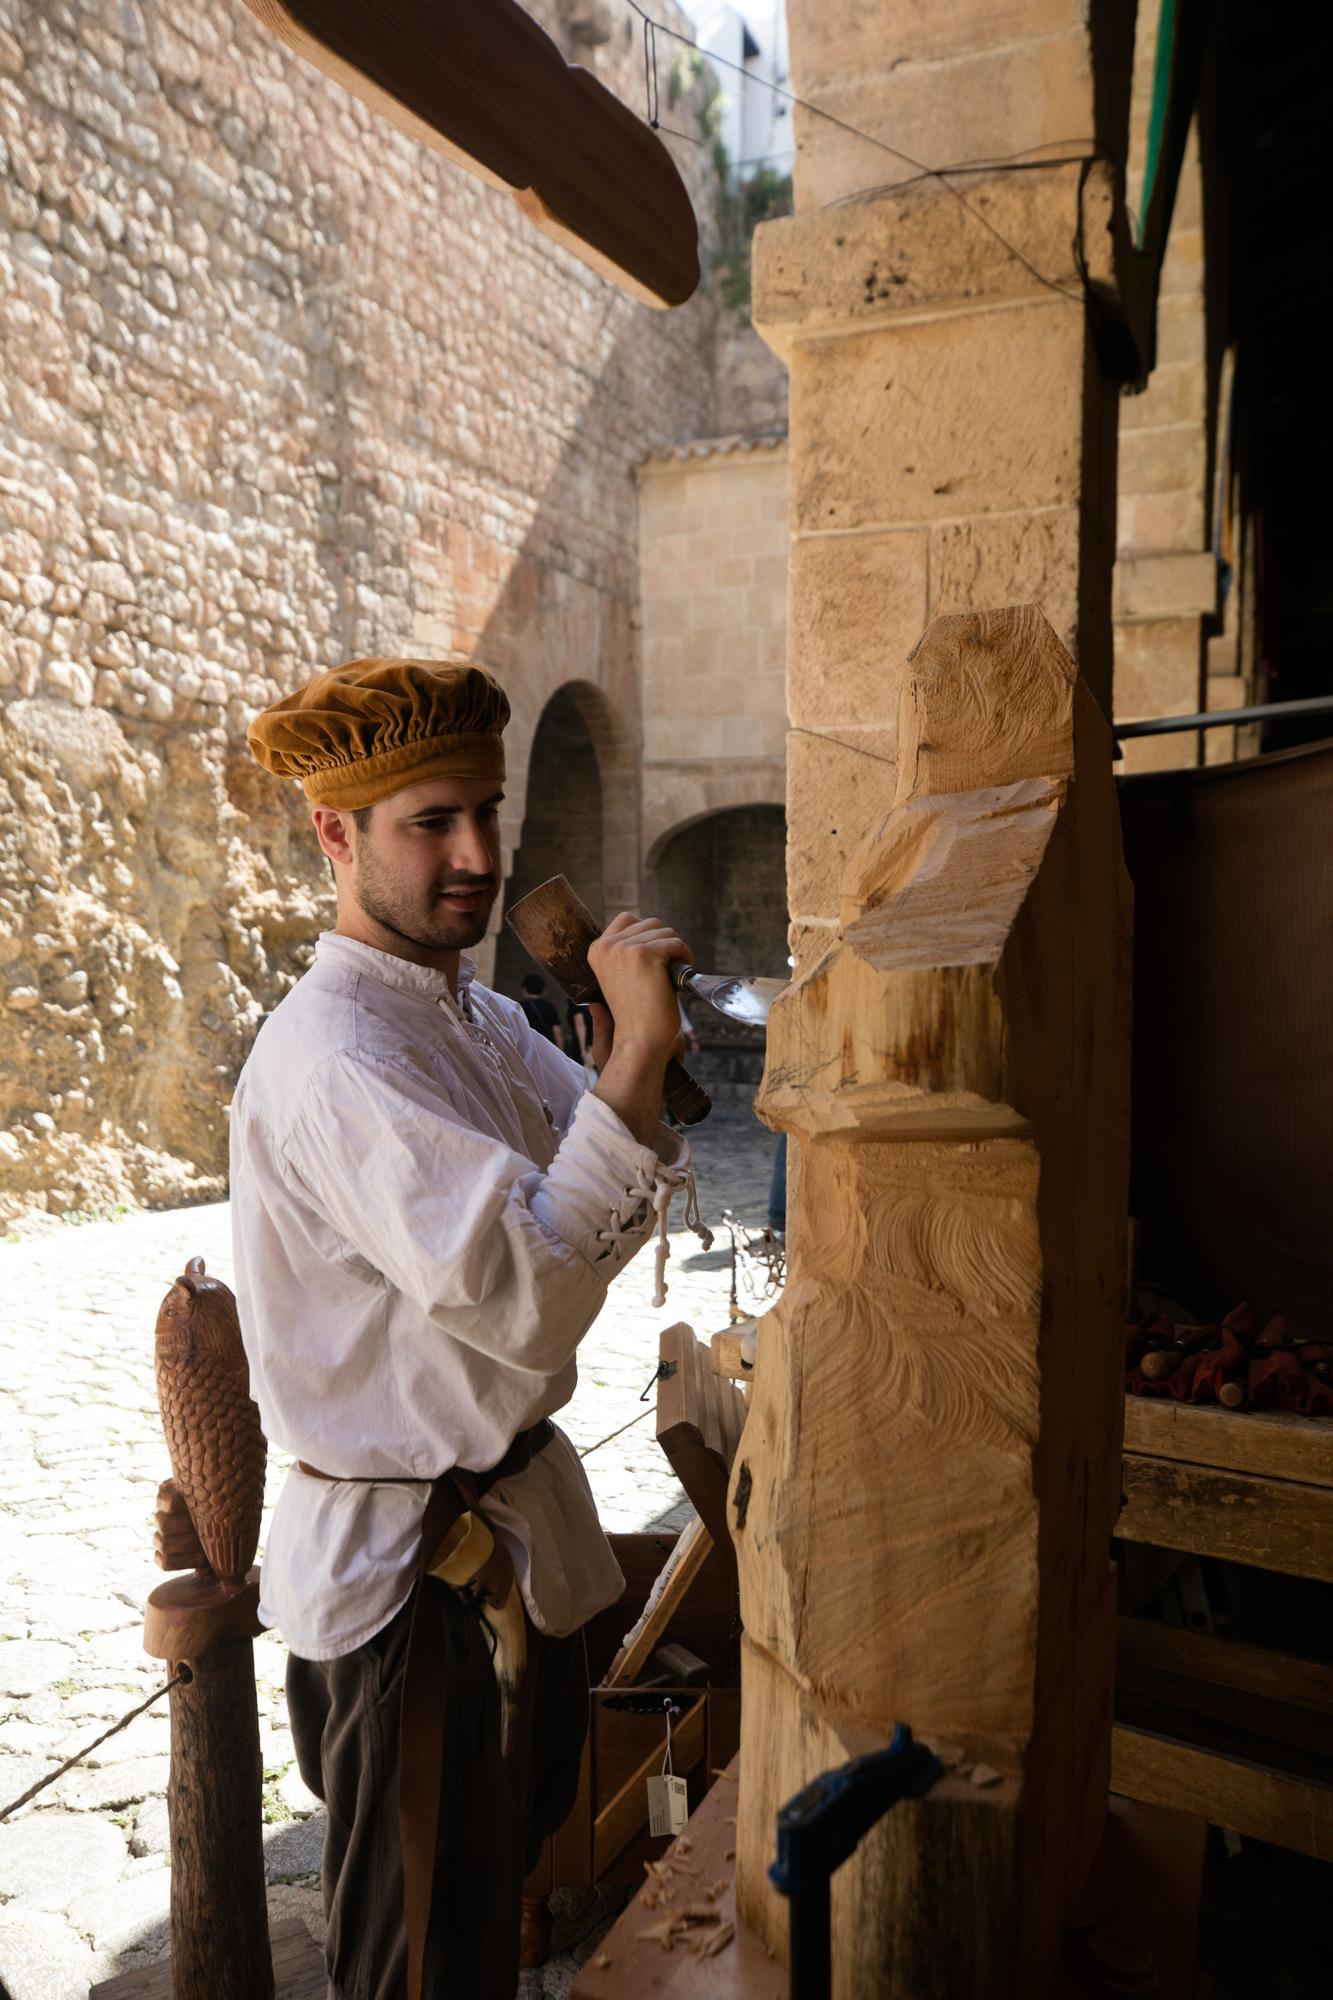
(427, 1209)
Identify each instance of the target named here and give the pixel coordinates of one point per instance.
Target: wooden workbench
(1148, 1872)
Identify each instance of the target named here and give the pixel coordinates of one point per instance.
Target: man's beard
(430, 926)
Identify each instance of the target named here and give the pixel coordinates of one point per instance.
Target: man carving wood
(428, 1206)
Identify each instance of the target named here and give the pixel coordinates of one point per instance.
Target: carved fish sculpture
(217, 1448)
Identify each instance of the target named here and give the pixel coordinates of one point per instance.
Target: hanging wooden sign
(480, 82)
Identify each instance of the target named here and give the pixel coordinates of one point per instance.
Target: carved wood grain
(931, 1460)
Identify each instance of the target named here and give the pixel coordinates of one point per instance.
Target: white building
(748, 53)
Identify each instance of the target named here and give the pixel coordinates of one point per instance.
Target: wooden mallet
(556, 928)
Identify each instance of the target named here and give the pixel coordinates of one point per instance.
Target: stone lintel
(934, 249)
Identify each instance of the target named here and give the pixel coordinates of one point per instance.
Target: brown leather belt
(421, 1736)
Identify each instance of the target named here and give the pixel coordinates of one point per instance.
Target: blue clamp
(822, 1827)
(824, 1824)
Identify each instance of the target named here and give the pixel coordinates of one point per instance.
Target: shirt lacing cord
(669, 1180)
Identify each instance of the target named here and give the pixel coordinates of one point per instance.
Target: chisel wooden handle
(556, 928)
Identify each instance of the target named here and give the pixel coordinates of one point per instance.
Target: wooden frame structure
(1241, 1734)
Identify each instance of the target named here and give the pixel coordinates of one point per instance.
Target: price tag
(668, 1795)
(668, 1806)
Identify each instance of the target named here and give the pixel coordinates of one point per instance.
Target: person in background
(541, 1013)
(578, 1028)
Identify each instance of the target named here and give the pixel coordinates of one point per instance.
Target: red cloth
(1273, 1373)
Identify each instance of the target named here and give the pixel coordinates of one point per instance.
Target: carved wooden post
(925, 1491)
(205, 1625)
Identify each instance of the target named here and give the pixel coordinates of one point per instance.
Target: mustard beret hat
(359, 733)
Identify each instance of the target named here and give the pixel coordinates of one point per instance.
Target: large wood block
(926, 1488)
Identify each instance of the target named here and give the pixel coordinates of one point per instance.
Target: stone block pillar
(921, 1510)
(953, 432)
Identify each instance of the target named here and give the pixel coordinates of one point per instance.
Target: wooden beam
(1251, 1798)
(482, 83)
(1145, 1648)
(1267, 1442)
(1270, 1523)
(700, 1417)
(734, 1352)
(667, 1595)
(924, 1495)
(1146, 1882)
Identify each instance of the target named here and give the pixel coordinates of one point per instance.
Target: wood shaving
(730, 1776)
(602, 1960)
(720, 1887)
(659, 1934)
(678, 1928)
(719, 1942)
(949, 1754)
(984, 1774)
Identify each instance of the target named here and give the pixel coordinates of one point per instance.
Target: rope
(590, 1449)
(177, 1680)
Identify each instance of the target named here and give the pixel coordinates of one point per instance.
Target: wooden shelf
(1237, 1733)
(1250, 1487)
(1267, 1443)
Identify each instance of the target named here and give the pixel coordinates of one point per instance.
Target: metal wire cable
(653, 27)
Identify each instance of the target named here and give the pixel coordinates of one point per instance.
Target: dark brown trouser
(494, 1813)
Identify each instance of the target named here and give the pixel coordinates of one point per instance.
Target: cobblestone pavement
(84, 1878)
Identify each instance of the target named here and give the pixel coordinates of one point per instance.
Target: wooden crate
(606, 1836)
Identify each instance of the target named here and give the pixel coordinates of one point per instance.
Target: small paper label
(668, 1806)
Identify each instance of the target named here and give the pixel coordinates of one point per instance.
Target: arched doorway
(571, 806)
(722, 882)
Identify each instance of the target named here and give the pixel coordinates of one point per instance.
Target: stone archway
(579, 813)
(721, 881)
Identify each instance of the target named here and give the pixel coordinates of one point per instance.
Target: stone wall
(713, 538)
(721, 881)
(279, 388)
(1183, 641)
(1166, 575)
